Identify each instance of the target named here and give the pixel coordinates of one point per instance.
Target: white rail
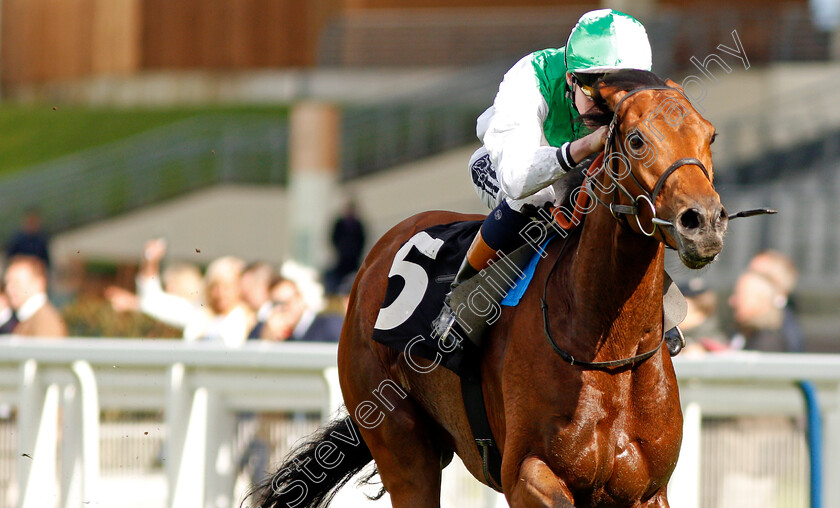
(754, 384)
(202, 386)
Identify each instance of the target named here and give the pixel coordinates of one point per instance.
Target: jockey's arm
(514, 136)
(589, 144)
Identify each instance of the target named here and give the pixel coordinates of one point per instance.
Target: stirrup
(443, 323)
(675, 340)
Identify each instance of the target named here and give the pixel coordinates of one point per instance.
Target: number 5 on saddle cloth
(420, 278)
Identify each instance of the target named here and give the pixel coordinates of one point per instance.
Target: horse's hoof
(675, 340)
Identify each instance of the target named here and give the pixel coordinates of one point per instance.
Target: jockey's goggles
(586, 83)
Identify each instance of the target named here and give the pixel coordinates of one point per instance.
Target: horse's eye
(714, 137)
(635, 141)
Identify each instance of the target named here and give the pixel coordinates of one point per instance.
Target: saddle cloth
(420, 278)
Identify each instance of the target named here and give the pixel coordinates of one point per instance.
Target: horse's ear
(674, 84)
(612, 95)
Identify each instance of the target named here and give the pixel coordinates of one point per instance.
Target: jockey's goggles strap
(588, 91)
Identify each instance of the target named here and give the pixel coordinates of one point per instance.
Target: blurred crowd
(230, 302)
(233, 301)
(762, 316)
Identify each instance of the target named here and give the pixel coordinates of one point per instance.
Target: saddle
(420, 278)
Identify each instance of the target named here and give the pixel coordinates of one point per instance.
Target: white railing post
(70, 481)
(178, 402)
(684, 487)
(189, 486)
(186, 419)
(334, 398)
(38, 431)
(220, 460)
(88, 404)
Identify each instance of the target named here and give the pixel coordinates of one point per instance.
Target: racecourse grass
(32, 134)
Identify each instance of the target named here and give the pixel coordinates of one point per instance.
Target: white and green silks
(533, 114)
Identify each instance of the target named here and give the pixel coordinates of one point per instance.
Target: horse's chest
(617, 448)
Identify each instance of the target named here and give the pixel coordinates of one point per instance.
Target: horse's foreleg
(536, 485)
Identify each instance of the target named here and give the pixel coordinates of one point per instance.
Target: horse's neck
(618, 277)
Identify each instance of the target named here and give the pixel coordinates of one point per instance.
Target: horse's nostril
(690, 219)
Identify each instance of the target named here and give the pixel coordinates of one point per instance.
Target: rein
(565, 355)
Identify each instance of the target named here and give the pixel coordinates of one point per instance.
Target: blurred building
(47, 40)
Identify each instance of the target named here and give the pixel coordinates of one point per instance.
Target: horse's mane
(626, 80)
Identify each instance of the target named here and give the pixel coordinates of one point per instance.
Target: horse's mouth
(698, 251)
(695, 262)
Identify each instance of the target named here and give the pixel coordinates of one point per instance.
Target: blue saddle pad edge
(515, 294)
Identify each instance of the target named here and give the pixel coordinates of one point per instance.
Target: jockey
(532, 135)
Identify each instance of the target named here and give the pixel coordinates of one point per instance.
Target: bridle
(620, 211)
(612, 147)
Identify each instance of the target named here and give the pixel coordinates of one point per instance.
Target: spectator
(185, 280)
(225, 318)
(306, 280)
(30, 240)
(230, 318)
(348, 239)
(179, 279)
(182, 280)
(8, 320)
(256, 279)
(781, 271)
(26, 287)
(294, 319)
(758, 312)
(700, 326)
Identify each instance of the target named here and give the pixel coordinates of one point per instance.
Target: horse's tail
(314, 471)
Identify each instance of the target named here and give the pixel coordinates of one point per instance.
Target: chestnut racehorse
(578, 433)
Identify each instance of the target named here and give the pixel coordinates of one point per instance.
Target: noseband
(611, 147)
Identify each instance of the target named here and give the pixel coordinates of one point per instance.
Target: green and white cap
(607, 40)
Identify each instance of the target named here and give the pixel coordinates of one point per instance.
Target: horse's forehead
(671, 109)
